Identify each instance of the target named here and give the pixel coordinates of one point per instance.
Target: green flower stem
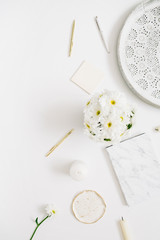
(38, 224)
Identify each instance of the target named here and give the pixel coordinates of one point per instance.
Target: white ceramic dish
(139, 51)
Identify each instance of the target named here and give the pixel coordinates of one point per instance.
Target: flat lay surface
(40, 104)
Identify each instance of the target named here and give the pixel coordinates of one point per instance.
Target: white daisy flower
(50, 210)
(157, 129)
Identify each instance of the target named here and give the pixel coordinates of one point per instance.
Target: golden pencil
(56, 145)
(71, 42)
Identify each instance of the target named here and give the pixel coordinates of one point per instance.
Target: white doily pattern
(139, 51)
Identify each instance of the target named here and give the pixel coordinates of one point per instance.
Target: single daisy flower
(50, 211)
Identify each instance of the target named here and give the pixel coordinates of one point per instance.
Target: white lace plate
(139, 51)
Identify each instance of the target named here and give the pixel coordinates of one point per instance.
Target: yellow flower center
(88, 103)
(121, 135)
(113, 102)
(109, 124)
(121, 118)
(53, 212)
(100, 95)
(98, 112)
(87, 125)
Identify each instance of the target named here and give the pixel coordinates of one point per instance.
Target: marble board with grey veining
(137, 168)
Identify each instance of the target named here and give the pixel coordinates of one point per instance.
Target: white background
(39, 104)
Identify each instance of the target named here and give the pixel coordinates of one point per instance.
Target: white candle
(124, 228)
(78, 170)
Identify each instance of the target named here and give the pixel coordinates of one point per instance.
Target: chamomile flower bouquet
(108, 117)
